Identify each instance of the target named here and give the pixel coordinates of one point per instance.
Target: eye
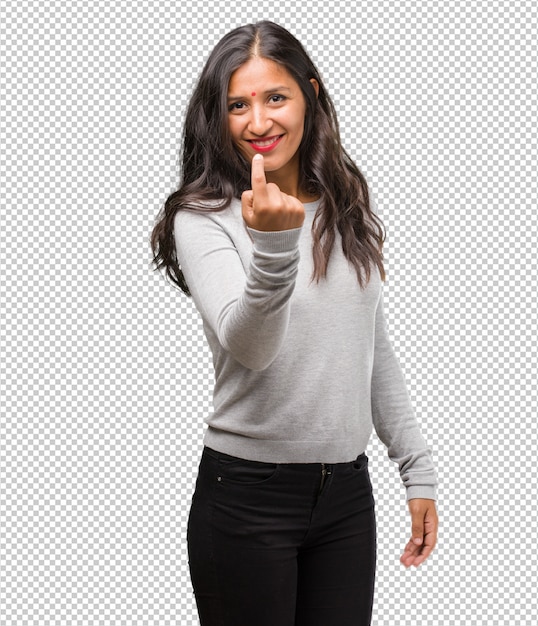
(276, 98)
(236, 107)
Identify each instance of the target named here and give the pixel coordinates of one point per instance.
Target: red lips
(265, 144)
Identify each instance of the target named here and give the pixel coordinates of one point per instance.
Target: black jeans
(282, 544)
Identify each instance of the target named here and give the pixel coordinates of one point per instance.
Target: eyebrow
(266, 92)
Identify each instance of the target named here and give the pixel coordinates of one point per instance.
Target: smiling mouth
(265, 144)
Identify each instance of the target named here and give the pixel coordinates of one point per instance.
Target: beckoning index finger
(259, 183)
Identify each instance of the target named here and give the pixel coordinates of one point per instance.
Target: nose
(259, 122)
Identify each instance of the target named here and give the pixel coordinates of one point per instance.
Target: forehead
(259, 74)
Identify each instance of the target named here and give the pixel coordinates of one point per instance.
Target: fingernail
(258, 156)
(417, 541)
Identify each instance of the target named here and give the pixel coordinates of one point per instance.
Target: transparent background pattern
(105, 376)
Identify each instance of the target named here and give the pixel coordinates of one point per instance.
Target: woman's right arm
(247, 310)
(246, 307)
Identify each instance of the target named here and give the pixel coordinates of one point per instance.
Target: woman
(272, 233)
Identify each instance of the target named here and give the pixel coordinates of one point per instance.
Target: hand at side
(424, 525)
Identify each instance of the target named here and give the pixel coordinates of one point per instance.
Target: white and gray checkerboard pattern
(105, 376)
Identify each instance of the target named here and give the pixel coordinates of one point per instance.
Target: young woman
(272, 233)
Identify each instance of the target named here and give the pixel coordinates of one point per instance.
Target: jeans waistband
(222, 455)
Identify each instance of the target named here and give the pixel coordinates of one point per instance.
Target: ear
(315, 84)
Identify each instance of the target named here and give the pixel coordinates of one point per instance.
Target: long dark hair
(214, 170)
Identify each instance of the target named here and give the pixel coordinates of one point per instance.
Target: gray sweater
(302, 369)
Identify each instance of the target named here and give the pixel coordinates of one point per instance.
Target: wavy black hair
(214, 170)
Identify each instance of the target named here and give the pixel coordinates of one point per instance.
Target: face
(266, 112)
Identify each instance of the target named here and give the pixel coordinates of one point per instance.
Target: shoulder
(207, 225)
(208, 211)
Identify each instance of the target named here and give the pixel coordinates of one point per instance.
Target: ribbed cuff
(275, 240)
(427, 492)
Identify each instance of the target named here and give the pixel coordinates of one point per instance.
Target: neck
(289, 184)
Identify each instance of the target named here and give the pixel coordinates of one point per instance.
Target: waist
(229, 457)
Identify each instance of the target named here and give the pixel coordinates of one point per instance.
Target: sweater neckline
(312, 206)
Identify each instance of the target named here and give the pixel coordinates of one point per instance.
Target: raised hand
(267, 208)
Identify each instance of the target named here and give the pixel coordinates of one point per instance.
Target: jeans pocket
(241, 471)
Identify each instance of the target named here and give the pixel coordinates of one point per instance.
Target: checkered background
(105, 376)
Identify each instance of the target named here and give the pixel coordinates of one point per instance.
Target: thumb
(417, 526)
(247, 201)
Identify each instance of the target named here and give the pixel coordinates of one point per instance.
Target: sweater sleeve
(247, 308)
(394, 419)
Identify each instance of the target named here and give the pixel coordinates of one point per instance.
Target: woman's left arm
(396, 425)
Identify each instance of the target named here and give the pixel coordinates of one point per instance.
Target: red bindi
(253, 93)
